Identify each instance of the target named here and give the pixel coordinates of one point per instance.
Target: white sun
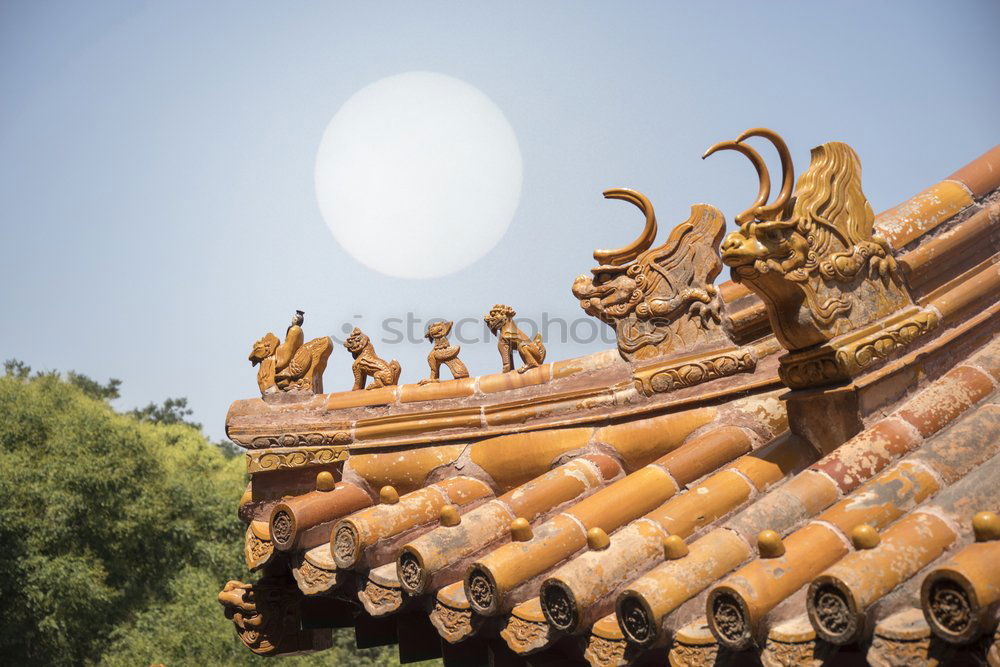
(418, 175)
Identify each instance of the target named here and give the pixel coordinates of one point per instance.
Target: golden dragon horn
(646, 238)
(762, 174)
(775, 208)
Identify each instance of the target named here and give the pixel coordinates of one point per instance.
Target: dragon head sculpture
(266, 617)
(813, 257)
(659, 300)
(498, 316)
(264, 348)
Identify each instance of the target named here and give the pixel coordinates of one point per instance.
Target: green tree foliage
(118, 532)
(171, 411)
(94, 389)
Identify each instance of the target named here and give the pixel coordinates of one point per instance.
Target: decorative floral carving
(345, 543)
(379, 600)
(863, 353)
(601, 651)
(634, 621)
(500, 320)
(265, 461)
(452, 624)
(368, 364)
(687, 372)
(694, 656)
(660, 300)
(481, 592)
(281, 527)
(526, 636)
(888, 652)
(410, 571)
(950, 606)
(258, 551)
(728, 618)
(833, 612)
(293, 365)
(311, 578)
(796, 654)
(301, 440)
(559, 608)
(851, 354)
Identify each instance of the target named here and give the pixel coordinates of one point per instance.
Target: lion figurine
(500, 320)
(443, 353)
(368, 364)
(293, 365)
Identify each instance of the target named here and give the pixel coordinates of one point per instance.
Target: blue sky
(157, 208)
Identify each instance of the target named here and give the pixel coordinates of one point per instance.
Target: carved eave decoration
(663, 304)
(293, 366)
(661, 301)
(834, 294)
(267, 619)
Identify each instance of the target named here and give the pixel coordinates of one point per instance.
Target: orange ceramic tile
(405, 470)
(715, 448)
(868, 452)
(512, 460)
(364, 398)
(644, 604)
(353, 536)
(490, 384)
(922, 213)
(943, 401)
(982, 175)
(303, 522)
(838, 597)
(436, 391)
(737, 606)
(639, 442)
(957, 595)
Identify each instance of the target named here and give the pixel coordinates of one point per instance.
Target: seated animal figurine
(500, 320)
(368, 364)
(443, 352)
(293, 365)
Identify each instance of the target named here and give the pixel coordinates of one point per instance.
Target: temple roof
(745, 473)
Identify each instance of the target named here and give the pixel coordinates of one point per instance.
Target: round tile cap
(674, 547)
(388, 495)
(450, 516)
(597, 539)
(325, 481)
(769, 544)
(986, 526)
(864, 536)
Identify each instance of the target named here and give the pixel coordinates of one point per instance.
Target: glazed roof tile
(681, 480)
